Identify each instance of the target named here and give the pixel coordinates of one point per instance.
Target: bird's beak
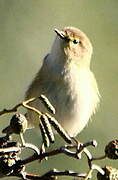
(61, 34)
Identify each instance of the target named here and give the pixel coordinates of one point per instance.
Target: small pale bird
(66, 80)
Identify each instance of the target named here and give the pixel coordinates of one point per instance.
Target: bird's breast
(75, 97)
(74, 94)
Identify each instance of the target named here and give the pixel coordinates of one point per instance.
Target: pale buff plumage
(66, 80)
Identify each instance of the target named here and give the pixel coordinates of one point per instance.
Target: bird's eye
(76, 41)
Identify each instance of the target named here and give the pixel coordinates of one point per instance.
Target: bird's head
(73, 44)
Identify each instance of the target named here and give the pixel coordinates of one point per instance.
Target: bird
(66, 79)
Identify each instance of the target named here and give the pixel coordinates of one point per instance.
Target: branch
(12, 165)
(14, 109)
(62, 150)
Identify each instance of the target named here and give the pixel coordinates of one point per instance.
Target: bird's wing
(36, 88)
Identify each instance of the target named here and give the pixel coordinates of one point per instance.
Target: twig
(55, 172)
(61, 150)
(94, 167)
(50, 175)
(14, 109)
(98, 158)
(23, 104)
(10, 149)
(32, 147)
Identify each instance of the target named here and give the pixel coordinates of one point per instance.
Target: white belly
(75, 99)
(75, 106)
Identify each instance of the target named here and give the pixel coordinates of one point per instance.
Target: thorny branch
(12, 165)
